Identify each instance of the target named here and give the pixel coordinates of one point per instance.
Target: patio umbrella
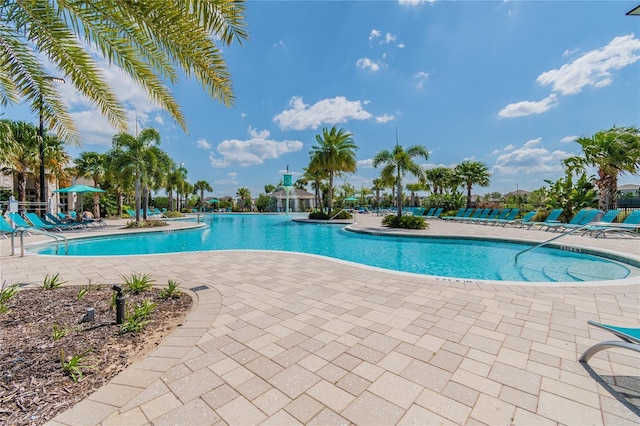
(213, 200)
(79, 189)
(351, 199)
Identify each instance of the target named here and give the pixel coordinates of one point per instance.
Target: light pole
(43, 192)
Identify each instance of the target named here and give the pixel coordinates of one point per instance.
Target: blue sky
(511, 84)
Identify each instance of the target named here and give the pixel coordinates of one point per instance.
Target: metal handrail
(21, 230)
(333, 217)
(553, 239)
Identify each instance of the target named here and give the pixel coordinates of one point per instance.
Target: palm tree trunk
(399, 194)
(330, 194)
(137, 196)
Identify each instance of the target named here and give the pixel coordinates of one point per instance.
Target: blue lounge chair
(436, 214)
(492, 215)
(552, 218)
(629, 335)
(430, 212)
(5, 227)
(509, 217)
(18, 221)
(631, 224)
(67, 225)
(581, 218)
(526, 219)
(38, 223)
(461, 212)
(477, 214)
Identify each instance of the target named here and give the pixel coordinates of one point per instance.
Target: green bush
(318, 215)
(406, 222)
(145, 223)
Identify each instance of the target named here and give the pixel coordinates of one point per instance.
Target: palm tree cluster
(134, 164)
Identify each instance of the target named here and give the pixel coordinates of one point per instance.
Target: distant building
(299, 200)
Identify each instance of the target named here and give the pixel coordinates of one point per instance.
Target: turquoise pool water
(443, 257)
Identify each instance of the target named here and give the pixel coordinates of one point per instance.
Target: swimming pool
(443, 257)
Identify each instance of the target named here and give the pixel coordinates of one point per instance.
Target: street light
(43, 193)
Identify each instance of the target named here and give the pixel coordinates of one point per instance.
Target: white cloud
(568, 139)
(365, 164)
(327, 111)
(385, 118)
(594, 67)
(421, 76)
(524, 108)
(389, 38)
(570, 52)
(401, 45)
(203, 144)
(255, 150)
(414, 2)
(280, 43)
(374, 34)
(530, 159)
(365, 63)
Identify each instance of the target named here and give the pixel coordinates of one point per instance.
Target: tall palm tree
(202, 185)
(134, 153)
(158, 164)
(93, 165)
(334, 154)
(472, 173)
(415, 187)
(314, 174)
(150, 47)
(398, 163)
(244, 194)
(612, 152)
(19, 153)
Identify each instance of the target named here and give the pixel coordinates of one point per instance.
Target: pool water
(442, 257)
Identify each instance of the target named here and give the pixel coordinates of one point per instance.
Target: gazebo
(299, 200)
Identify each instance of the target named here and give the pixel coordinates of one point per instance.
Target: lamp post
(43, 192)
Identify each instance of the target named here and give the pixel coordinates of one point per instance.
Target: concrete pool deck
(286, 338)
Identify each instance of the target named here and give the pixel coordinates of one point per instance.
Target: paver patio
(286, 338)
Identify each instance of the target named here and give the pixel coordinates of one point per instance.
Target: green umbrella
(213, 200)
(351, 199)
(80, 189)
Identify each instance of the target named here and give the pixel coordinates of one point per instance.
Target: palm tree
(151, 48)
(415, 187)
(158, 164)
(202, 185)
(316, 176)
(20, 153)
(397, 163)
(93, 165)
(472, 173)
(133, 155)
(611, 152)
(334, 154)
(244, 194)
(442, 179)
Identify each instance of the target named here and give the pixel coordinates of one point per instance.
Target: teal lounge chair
(38, 223)
(492, 215)
(5, 227)
(630, 337)
(522, 221)
(18, 221)
(583, 217)
(67, 225)
(552, 218)
(436, 214)
(510, 216)
(631, 224)
(460, 213)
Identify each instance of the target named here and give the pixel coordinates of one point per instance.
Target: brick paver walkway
(285, 338)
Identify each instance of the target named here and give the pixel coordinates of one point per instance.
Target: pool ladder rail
(569, 232)
(21, 231)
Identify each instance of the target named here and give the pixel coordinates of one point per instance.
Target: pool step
(596, 271)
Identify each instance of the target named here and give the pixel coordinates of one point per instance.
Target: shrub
(318, 215)
(138, 317)
(6, 293)
(145, 223)
(406, 222)
(52, 282)
(171, 291)
(137, 283)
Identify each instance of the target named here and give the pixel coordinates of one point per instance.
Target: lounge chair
(460, 213)
(38, 223)
(492, 215)
(436, 214)
(69, 225)
(430, 212)
(552, 218)
(583, 217)
(630, 224)
(477, 214)
(18, 221)
(5, 227)
(629, 335)
(510, 216)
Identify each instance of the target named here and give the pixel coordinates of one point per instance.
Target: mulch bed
(33, 386)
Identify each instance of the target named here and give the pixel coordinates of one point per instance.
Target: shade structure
(80, 189)
(351, 199)
(213, 200)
